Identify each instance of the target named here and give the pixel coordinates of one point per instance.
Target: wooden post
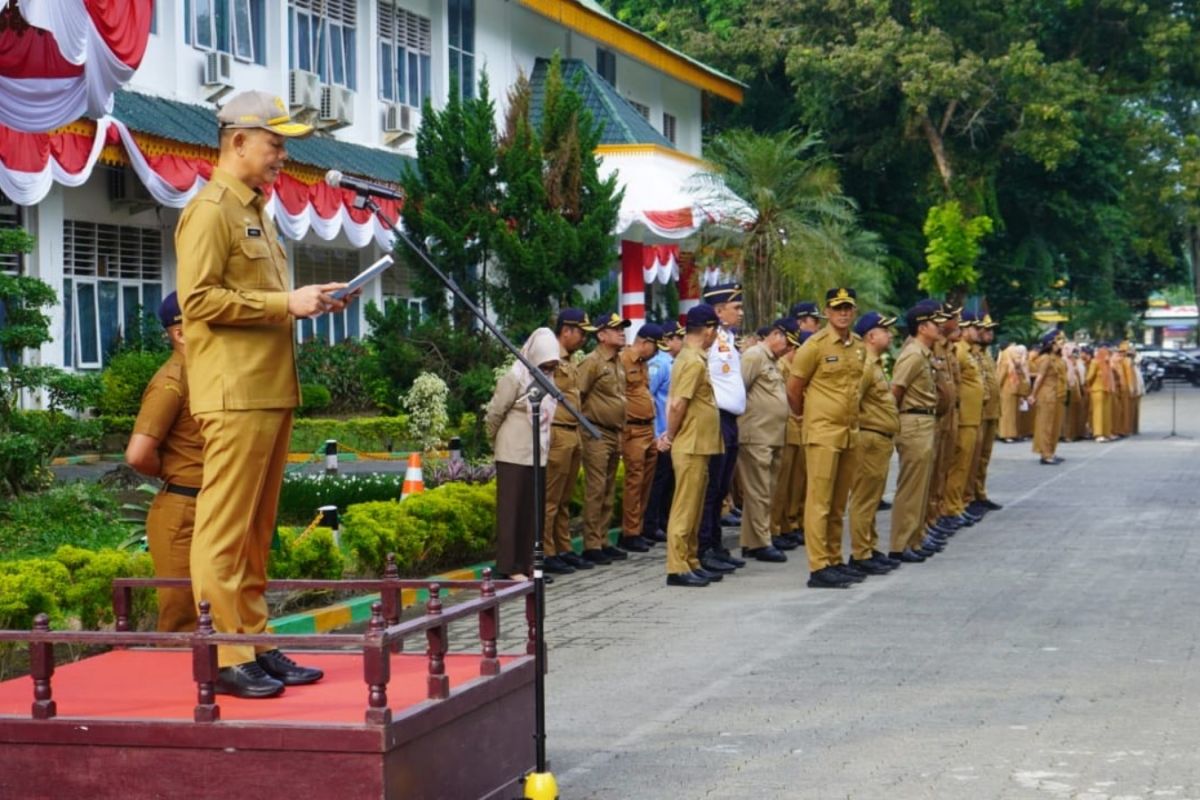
(122, 597)
(41, 668)
(489, 627)
(439, 682)
(204, 667)
(393, 598)
(377, 668)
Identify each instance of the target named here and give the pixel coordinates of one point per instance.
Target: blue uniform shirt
(659, 368)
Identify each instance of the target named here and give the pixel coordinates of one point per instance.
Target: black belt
(640, 421)
(881, 433)
(568, 425)
(729, 414)
(186, 491)
(928, 412)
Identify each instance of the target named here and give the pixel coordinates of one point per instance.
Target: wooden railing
(385, 634)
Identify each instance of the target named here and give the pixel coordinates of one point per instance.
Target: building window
(316, 265)
(112, 277)
(10, 217)
(606, 65)
(462, 46)
(405, 56)
(669, 127)
(237, 27)
(321, 35)
(641, 109)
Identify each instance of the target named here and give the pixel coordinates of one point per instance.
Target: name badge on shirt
(724, 368)
(254, 233)
(830, 359)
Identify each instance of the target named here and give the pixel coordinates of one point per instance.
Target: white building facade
(361, 69)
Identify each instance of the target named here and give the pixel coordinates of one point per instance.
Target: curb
(322, 620)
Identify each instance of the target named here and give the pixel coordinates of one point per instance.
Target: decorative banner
(61, 60)
(660, 264)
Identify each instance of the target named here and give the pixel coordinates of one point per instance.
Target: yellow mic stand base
(541, 786)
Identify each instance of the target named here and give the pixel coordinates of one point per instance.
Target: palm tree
(797, 234)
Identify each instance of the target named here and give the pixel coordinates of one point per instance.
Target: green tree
(953, 249)
(558, 215)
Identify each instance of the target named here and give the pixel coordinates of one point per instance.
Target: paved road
(1049, 653)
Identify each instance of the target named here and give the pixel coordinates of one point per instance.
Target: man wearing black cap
(566, 452)
(639, 446)
(602, 395)
(878, 424)
(947, 427)
(761, 433)
(166, 444)
(971, 397)
(725, 372)
(787, 504)
(693, 436)
(825, 387)
(807, 315)
(977, 486)
(654, 524)
(914, 385)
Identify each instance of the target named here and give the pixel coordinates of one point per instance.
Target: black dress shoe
(648, 542)
(884, 505)
(827, 578)
(614, 553)
(921, 551)
(729, 558)
(1050, 461)
(971, 518)
(556, 566)
(686, 579)
(657, 535)
(731, 521)
(768, 554)
(949, 523)
(282, 668)
(247, 680)
(849, 573)
(711, 577)
(783, 543)
(944, 530)
(571, 558)
(906, 557)
(990, 505)
(887, 561)
(711, 564)
(633, 544)
(794, 536)
(598, 557)
(870, 567)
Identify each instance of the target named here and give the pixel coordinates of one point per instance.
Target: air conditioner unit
(218, 69)
(399, 118)
(125, 188)
(337, 106)
(304, 89)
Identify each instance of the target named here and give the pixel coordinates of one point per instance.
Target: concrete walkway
(1048, 653)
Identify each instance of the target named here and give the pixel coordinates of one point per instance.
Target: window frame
(256, 20)
(412, 68)
(670, 121)
(321, 31)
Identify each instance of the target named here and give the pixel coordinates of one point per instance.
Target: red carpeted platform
(157, 684)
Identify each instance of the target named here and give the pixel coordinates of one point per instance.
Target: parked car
(1176, 365)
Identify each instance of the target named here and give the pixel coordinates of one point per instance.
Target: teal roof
(197, 125)
(623, 124)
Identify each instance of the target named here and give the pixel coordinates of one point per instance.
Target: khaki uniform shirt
(638, 402)
(833, 370)
(766, 417)
(947, 386)
(567, 381)
(795, 424)
(700, 432)
(991, 385)
(233, 288)
(916, 373)
(970, 388)
(602, 390)
(879, 412)
(165, 416)
(1053, 370)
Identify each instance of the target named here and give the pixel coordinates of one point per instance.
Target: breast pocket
(253, 266)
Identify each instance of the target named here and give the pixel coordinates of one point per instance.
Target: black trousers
(658, 508)
(720, 479)
(514, 518)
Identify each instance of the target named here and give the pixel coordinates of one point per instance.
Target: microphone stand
(539, 784)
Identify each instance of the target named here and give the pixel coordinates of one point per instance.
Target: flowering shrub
(425, 403)
(302, 495)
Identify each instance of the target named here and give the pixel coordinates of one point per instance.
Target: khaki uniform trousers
(169, 528)
(758, 466)
(600, 459)
(874, 457)
(1046, 426)
(915, 445)
(787, 503)
(640, 455)
(245, 453)
(977, 483)
(943, 457)
(687, 506)
(562, 467)
(830, 474)
(953, 503)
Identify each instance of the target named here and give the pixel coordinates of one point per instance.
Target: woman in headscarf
(1101, 386)
(1120, 395)
(1048, 397)
(1073, 420)
(509, 427)
(1014, 384)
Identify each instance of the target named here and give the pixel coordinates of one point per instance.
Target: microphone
(337, 180)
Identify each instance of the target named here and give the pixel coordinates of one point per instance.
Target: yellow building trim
(650, 150)
(582, 20)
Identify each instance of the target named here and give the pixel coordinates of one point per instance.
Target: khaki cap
(260, 110)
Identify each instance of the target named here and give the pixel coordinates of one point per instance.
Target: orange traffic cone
(414, 481)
